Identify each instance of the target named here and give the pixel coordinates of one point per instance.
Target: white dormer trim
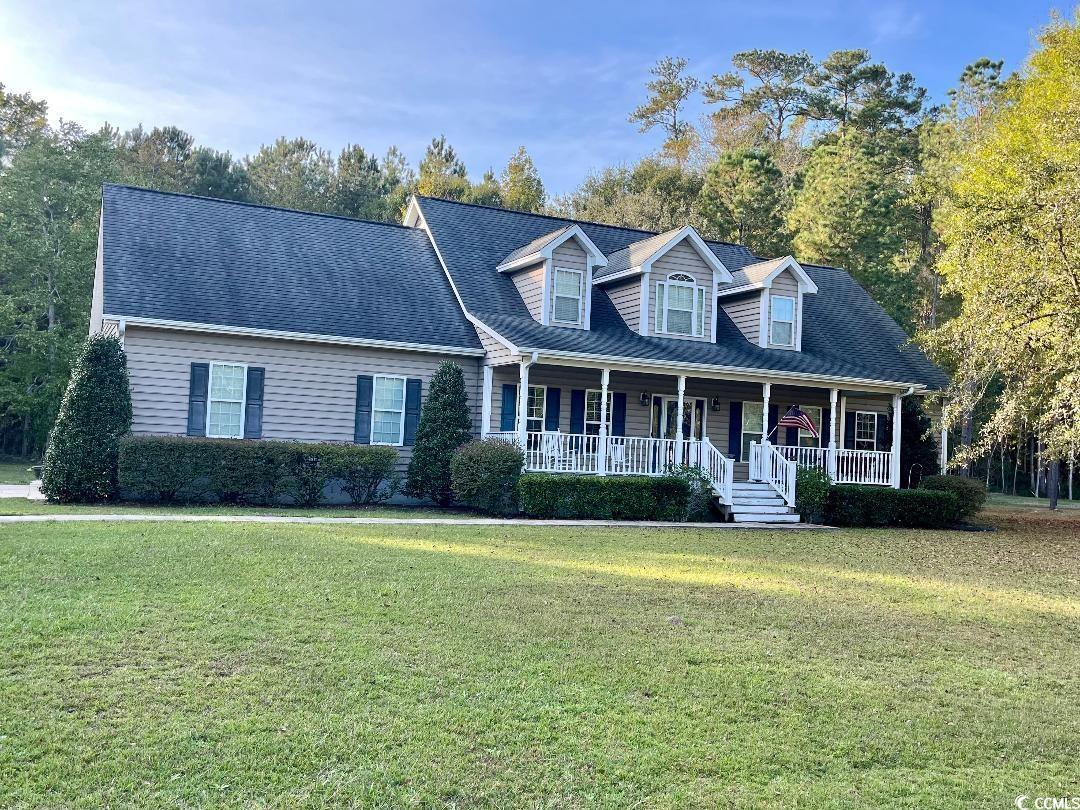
(806, 284)
(596, 257)
(687, 233)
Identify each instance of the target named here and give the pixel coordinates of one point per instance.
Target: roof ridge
(247, 204)
(575, 221)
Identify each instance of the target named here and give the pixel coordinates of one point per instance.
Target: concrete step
(756, 501)
(736, 487)
(750, 517)
(764, 509)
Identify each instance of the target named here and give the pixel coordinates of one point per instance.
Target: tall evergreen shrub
(445, 425)
(80, 460)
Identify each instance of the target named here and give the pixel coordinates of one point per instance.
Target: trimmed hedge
(485, 475)
(851, 505)
(970, 492)
(614, 497)
(173, 468)
(812, 486)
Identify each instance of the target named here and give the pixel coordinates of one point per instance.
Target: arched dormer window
(680, 306)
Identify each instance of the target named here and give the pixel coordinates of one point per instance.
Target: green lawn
(206, 664)
(15, 472)
(22, 506)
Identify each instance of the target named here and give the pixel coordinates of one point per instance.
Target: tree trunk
(1072, 472)
(1053, 479)
(1016, 467)
(26, 436)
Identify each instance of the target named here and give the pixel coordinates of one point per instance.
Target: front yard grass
(22, 506)
(206, 664)
(15, 472)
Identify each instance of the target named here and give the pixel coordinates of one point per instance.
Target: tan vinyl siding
(310, 388)
(626, 296)
(530, 284)
(683, 259)
(571, 255)
(497, 353)
(745, 313)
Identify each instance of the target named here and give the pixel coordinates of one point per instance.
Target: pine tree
(445, 425)
(743, 198)
(522, 188)
(80, 462)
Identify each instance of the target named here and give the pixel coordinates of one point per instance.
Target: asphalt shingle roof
(634, 254)
(845, 333)
(536, 245)
(755, 273)
(183, 258)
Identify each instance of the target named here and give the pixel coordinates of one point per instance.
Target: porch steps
(757, 502)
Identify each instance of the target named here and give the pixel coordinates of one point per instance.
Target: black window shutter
(253, 406)
(412, 409)
(551, 409)
(884, 432)
(618, 413)
(362, 429)
(577, 411)
(825, 427)
(508, 417)
(197, 393)
(849, 430)
(792, 437)
(774, 417)
(734, 436)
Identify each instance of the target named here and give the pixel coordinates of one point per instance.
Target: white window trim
(756, 428)
(610, 410)
(821, 428)
(543, 408)
(209, 399)
(856, 439)
(773, 320)
(404, 406)
(580, 296)
(697, 308)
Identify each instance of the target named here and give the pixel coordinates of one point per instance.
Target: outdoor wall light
(646, 398)
(715, 404)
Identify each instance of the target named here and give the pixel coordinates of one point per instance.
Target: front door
(665, 410)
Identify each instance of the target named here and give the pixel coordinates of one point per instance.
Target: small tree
(445, 425)
(80, 461)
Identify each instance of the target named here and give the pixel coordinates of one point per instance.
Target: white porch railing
(768, 464)
(623, 455)
(843, 466)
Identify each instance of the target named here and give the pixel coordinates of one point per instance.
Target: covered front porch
(617, 421)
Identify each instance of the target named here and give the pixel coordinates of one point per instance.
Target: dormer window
(568, 294)
(782, 320)
(680, 306)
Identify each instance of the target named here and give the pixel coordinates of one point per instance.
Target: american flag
(795, 418)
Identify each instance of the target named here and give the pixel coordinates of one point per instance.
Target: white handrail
(780, 473)
(719, 468)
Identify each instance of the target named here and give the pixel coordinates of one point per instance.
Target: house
(599, 349)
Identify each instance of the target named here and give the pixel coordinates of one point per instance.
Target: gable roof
(176, 257)
(845, 333)
(535, 246)
(640, 255)
(760, 275)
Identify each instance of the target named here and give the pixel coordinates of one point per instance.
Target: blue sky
(559, 78)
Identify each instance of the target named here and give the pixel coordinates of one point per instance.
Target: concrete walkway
(373, 521)
(31, 491)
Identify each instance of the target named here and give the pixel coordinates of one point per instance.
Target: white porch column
(485, 404)
(830, 465)
(894, 476)
(602, 444)
(766, 390)
(679, 454)
(523, 404)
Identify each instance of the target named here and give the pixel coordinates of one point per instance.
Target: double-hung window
(568, 295)
(806, 438)
(388, 410)
(680, 306)
(782, 320)
(225, 414)
(535, 408)
(751, 426)
(592, 412)
(865, 430)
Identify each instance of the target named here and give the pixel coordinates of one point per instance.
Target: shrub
(970, 492)
(700, 500)
(366, 474)
(485, 474)
(883, 506)
(81, 458)
(445, 425)
(811, 491)
(170, 468)
(613, 497)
